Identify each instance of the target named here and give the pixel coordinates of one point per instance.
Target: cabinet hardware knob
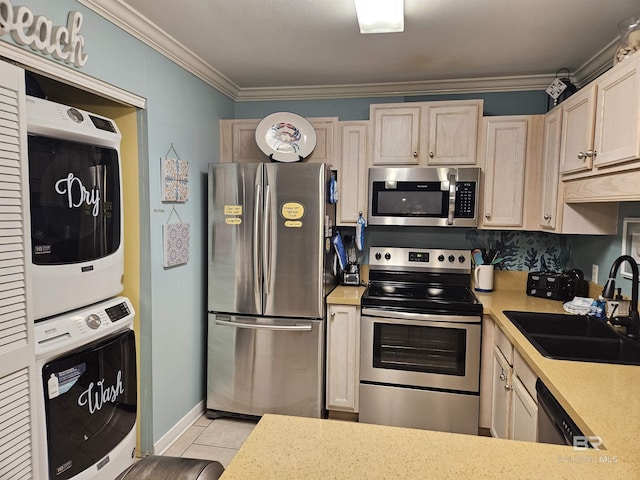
(547, 216)
(581, 155)
(508, 387)
(333, 315)
(487, 216)
(430, 154)
(415, 154)
(503, 377)
(589, 153)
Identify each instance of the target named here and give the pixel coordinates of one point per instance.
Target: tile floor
(208, 439)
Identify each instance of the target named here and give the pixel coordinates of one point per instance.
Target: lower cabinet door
(524, 413)
(343, 357)
(501, 399)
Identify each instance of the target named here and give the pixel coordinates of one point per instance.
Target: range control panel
(427, 259)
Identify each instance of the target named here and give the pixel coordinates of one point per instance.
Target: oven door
(421, 350)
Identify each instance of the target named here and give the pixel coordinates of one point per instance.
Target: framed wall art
(175, 178)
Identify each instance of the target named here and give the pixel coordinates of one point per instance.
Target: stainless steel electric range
(420, 341)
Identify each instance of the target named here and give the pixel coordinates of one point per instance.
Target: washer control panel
(71, 329)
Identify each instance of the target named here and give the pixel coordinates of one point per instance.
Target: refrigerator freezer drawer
(262, 365)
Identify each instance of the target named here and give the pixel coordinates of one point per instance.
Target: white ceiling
(312, 48)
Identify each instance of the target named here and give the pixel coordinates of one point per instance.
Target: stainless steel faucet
(633, 321)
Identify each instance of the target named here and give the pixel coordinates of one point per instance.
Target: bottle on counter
(598, 308)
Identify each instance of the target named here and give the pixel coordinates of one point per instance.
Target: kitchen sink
(575, 337)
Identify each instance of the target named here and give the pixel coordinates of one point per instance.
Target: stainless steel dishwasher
(554, 423)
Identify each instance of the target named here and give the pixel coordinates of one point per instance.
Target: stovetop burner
(421, 281)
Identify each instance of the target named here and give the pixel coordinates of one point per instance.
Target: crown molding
(427, 87)
(129, 20)
(140, 27)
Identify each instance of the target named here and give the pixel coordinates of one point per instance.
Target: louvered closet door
(17, 358)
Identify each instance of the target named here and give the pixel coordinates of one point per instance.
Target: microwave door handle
(452, 198)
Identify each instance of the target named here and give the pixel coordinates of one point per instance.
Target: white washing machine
(86, 397)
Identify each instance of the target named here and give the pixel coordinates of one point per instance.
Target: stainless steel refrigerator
(270, 269)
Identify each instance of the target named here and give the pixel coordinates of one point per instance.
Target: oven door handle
(372, 312)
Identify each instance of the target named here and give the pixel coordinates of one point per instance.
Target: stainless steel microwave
(424, 196)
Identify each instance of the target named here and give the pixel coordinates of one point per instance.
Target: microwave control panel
(465, 200)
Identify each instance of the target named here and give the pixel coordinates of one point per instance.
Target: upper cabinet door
(396, 134)
(324, 151)
(578, 114)
(238, 142)
(452, 133)
(617, 129)
(353, 172)
(550, 168)
(505, 154)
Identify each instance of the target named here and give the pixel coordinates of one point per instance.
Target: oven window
(419, 348)
(75, 201)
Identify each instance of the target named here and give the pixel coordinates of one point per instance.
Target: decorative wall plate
(285, 137)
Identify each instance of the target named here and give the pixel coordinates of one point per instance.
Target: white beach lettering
(65, 185)
(97, 395)
(38, 32)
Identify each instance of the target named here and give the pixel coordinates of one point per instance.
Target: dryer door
(90, 403)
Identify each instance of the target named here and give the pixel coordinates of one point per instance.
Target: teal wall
(183, 111)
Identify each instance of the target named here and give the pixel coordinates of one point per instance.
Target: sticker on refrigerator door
(233, 209)
(292, 211)
(293, 224)
(233, 221)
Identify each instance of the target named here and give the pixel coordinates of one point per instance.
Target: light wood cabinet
(343, 358)
(514, 407)
(501, 398)
(511, 153)
(452, 133)
(426, 133)
(551, 137)
(601, 124)
(578, 116)
(238, 141)
(396, 134)
(352, 171)
(524, 413)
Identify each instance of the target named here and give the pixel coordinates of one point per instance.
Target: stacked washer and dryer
(84, 341)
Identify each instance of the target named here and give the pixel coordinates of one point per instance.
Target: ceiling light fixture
(380, 16)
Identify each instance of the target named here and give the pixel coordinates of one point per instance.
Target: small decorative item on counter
(598, 309)
(629, 38)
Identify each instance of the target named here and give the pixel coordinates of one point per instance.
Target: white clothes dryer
(86, 397)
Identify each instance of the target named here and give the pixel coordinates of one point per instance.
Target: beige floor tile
(227, 433)
(184, 440)
(206, 452)
(203, 421)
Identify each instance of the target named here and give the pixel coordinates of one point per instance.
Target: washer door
(90, 403)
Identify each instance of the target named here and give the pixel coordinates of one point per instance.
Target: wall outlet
(594, 273)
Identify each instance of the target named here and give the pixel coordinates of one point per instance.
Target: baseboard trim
(179, 428)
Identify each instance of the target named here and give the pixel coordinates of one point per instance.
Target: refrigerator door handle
(253, 326)
(266, 240)
(257, 261)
